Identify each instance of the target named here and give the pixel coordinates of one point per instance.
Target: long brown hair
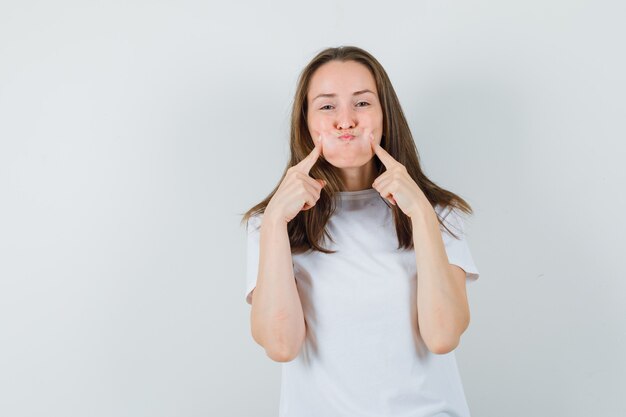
(308, 227)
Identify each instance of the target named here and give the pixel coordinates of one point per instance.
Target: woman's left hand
(396, 185)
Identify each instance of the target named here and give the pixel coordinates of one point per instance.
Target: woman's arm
(442, 306)
(276, 318)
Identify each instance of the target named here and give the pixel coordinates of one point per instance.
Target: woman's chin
(344, 161)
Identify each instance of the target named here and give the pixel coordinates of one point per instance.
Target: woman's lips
(346, 137)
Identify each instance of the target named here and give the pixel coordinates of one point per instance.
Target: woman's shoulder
(254, 220)
(444, 209)
(450, 216)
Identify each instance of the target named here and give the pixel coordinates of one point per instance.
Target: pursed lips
(346, 136)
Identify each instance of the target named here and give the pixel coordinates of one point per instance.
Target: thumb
(322, 182)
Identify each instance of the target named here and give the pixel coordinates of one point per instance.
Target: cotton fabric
(363, 354)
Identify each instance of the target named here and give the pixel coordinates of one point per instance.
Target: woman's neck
(358, 178)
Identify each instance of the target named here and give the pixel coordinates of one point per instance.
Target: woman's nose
(345, 120)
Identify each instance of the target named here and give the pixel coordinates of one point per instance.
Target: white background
(134, 134)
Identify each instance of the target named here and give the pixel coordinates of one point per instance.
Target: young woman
(357, 263)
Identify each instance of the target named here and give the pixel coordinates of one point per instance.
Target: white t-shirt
(363, 354)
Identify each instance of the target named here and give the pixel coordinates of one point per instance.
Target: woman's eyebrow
(356, 93)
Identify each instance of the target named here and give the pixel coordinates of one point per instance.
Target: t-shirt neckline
(354, 195)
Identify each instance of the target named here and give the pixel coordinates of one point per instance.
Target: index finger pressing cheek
(307, 163)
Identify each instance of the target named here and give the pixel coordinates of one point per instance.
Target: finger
(307, 163)
(313, 188)
(381, 179)
(387, 160)
(385, 192)
(389, 197)
(309, 200)
(316, 183)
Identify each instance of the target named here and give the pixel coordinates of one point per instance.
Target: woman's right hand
(297, 191)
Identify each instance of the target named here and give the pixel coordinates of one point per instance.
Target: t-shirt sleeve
(458, 249)
(252, 254)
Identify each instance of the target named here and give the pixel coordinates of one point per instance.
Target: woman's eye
(359, 104)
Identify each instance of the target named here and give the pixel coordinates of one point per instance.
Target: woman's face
(343, 106)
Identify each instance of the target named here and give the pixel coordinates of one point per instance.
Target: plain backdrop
(134, 134)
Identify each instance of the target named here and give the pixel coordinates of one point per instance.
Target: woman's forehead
(341, 78)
